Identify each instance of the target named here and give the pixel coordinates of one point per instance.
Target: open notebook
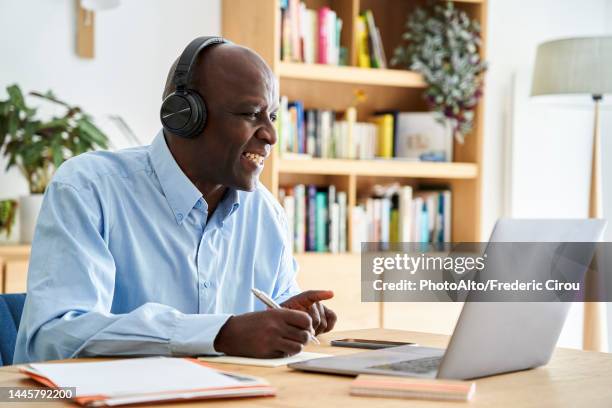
(264, 362)
(140, 380)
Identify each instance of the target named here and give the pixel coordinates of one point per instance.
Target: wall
(537, 153)
(135, 45)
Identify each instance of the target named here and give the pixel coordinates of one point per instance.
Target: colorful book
(385, 135)
(322, 23)
(363, 52)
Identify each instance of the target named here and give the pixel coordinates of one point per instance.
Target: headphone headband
(182, 74)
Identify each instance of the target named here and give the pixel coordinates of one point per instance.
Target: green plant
(442, 43)
(8, 210)
(37, 147)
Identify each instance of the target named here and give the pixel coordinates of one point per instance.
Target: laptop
(489, 337)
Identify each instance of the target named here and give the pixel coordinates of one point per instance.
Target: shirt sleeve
(71, 281)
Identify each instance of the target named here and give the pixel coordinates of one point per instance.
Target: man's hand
(323, 318)
(270, 334)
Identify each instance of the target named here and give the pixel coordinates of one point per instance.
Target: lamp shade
(573, 66)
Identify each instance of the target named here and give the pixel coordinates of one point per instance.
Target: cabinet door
(15, 276)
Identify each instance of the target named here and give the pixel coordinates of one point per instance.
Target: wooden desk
(572, 379)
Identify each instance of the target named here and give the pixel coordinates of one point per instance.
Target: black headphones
(183, 112)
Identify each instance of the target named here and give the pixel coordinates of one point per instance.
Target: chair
(11, 306)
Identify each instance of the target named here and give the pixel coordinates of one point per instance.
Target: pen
(273, 305)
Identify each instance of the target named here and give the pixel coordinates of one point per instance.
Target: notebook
(264, 362)
(403, 387)
(141, 380)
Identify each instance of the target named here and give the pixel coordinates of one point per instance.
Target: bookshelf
(257, 25)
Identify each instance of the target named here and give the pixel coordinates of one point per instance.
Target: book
(385, 135)
(363, 52)
(312, 218)
(145, 380)
(405, 214)
(374, 42)
(402, 387)
(342, 239)
(323, 35)
(300, 219)
(321, 221)
(263, 362)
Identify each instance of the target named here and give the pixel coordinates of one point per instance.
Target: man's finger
(323, 319)
(306, 299)
(289, 347)
(316, 317)
(294, 334)
(331, 318)
(297, 318)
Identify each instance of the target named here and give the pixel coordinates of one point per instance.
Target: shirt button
(179, 216)
(206, 284)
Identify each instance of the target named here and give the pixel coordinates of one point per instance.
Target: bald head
(241, 97)
(221, 63)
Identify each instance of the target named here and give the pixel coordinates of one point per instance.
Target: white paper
(134, 376)
(265, 362)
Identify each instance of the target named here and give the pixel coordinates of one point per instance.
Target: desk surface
(572, 378)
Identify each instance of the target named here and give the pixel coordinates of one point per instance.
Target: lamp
(581, 66)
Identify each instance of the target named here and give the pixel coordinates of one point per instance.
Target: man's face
(239, 133)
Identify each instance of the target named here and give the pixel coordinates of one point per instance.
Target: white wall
(135, 45)
(544, 169)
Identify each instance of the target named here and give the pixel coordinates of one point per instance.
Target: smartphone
(369, 344)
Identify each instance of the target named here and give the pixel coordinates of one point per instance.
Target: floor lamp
(581, 66)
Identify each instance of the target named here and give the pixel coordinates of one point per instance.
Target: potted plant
(443, 44)
(37, 146)
(8, 209)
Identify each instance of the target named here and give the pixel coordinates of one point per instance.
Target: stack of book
(319, 133)
(399, 214)
(370, 51)
(317, 218)
(388, 134)
(310, 36)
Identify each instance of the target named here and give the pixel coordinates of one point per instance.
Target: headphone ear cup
(183, 113)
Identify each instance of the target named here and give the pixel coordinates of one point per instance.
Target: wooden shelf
(351, 75)
(382, 168)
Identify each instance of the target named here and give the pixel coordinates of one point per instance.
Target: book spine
(321, 221)
(363, 54)
(300, 217)
(447, 216)
(358, 228)
(289, 206)
(312, 213)
(342, 241)
(322, 31)
(331, 199)
(405, 213)
(385, 220)
(334, 228)
(338, 34)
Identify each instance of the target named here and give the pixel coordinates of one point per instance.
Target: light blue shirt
(126, 262)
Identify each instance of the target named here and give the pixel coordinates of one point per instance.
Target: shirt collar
(179, 191)
(181, 194)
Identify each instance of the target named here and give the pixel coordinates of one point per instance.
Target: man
(154, 250)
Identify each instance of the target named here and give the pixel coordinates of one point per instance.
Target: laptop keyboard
(418, 366)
